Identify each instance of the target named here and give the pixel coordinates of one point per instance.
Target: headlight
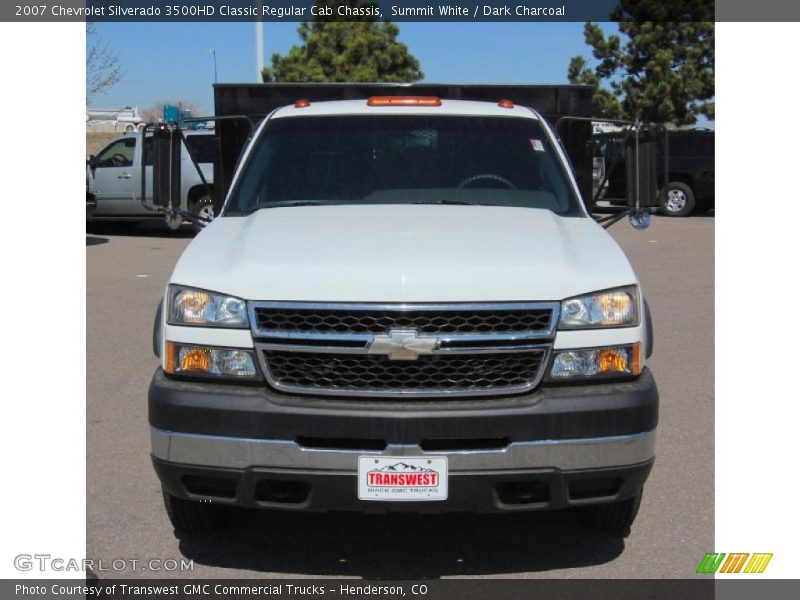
(188, 359)
(595, 363)
(188, 306)
(609, 308)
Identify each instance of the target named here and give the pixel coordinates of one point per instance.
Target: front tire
(680, 200)
(203, 208)
(614, 517)
(191, 516)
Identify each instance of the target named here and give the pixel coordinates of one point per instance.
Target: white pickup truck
(114, 180)
(404, 305)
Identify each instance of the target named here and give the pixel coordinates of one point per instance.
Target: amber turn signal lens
(612, 361)
(187, 359)
(636, 359)
(195, 359)
(619, 360)
(170, 362)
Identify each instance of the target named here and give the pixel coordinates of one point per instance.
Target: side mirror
(642, 171)
(92, 162)
(166, 166)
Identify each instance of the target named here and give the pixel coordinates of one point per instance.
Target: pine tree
(664, 72)
(334, 49)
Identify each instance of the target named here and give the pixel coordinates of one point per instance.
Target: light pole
(214, 55)
(259, 50)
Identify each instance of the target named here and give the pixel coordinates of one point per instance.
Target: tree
(103, 69)
(336, 48)
(664, 73)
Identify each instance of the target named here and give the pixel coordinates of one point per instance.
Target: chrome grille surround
(378, 319)
(424, 341)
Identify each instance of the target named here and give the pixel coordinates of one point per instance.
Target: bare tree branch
(103, 69)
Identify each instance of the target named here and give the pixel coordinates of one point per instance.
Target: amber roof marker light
(404, 101)
(505, 103)
(302, 103)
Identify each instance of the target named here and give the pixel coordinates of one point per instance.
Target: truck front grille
(403, 350)
(424, 321)
(429, 375)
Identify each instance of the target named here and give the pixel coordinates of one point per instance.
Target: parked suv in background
(691, 170)
(114, 180)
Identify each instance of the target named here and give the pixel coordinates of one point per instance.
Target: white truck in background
(114, 180)
(124, 120)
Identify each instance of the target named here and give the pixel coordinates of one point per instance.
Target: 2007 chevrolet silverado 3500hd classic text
(404, 305)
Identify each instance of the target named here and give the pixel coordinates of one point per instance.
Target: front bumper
(469, 491)
(555, 447)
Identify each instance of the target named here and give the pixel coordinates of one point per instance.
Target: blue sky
(167, 60)
(170, 60)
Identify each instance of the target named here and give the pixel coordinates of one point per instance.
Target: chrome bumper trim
(241, 453)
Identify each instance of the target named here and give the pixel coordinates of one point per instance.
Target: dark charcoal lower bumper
(479, 491)
(251, 446)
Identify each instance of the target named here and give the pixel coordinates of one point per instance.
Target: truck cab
(403, 306)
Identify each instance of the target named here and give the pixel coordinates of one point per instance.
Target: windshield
(401, 159)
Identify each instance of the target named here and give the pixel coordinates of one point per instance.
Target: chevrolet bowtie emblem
(402, 345)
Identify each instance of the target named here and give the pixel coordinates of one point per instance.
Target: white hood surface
(403, 253)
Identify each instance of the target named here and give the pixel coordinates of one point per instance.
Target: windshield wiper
(283, 203)
(448, 201)
(293, 203)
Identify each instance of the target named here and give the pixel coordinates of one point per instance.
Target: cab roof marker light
(505, 103)
(302, 103)
(404, 101)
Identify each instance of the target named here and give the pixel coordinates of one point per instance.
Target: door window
(117, 154)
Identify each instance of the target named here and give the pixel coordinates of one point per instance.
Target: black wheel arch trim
(157, 331)
(648, 324)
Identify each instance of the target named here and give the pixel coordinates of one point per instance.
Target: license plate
(402, 478)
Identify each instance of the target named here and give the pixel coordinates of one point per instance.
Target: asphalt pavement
(126, 275)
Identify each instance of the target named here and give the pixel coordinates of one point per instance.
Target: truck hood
(403, 253)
